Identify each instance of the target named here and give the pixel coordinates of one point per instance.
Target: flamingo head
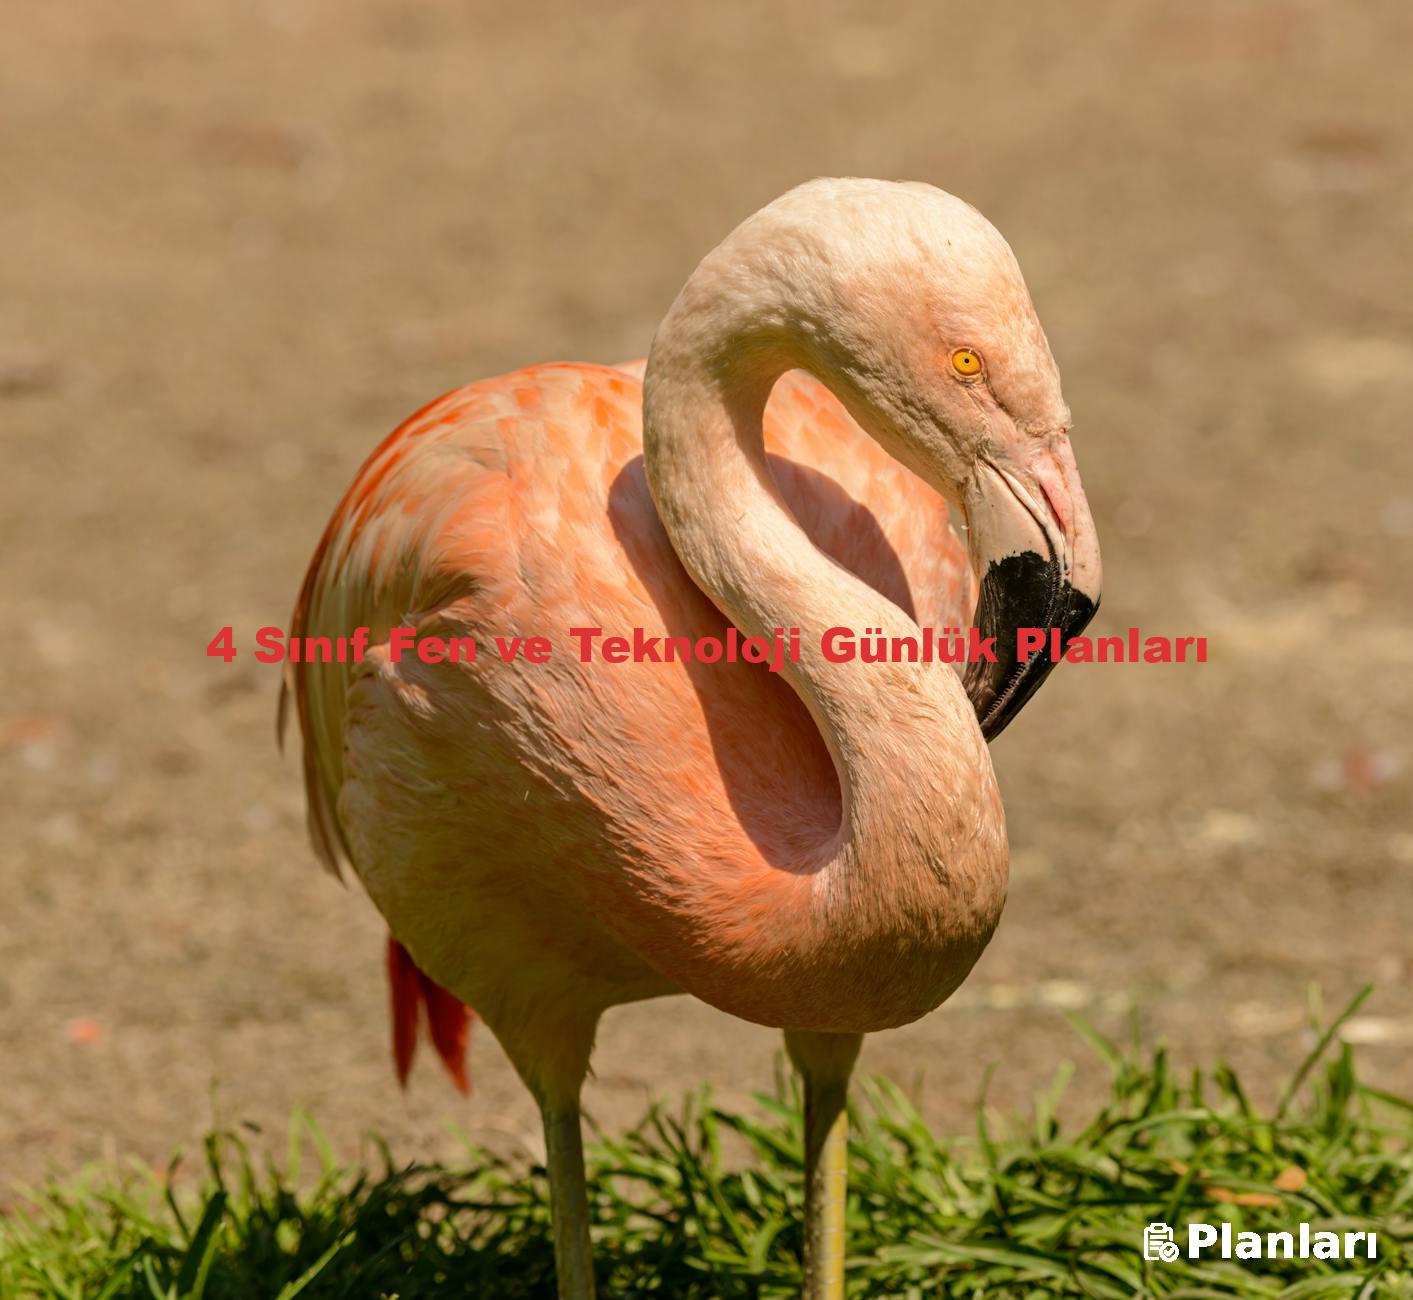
(910, 305)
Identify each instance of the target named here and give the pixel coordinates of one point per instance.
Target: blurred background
(240, 241)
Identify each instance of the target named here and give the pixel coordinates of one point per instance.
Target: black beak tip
(1026, 590)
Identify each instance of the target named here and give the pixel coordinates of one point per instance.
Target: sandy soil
(240, 241)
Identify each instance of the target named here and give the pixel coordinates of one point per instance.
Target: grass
(1018, 1210)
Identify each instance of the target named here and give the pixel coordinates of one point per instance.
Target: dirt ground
(240, 241)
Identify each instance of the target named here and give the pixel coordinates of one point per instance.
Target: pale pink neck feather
(919, 859)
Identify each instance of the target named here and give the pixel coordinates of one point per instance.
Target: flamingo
(821, 850)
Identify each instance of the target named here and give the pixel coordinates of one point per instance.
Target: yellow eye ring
(966, 363)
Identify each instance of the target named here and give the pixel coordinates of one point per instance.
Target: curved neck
(922, 825)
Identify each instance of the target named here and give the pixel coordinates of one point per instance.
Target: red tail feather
(448, 1018)
(406, 993)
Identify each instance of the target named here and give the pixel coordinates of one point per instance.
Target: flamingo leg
(825, 1062)
(569, 1203)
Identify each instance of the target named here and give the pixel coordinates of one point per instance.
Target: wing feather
(433, 515)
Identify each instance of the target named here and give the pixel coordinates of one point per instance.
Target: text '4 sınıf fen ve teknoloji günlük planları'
(838, 645)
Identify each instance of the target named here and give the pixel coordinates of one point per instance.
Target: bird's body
(637, 826)
(820, 849)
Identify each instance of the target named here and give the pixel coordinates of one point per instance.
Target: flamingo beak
(1036, 556)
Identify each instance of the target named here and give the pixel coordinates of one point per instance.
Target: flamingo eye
(966, 363)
